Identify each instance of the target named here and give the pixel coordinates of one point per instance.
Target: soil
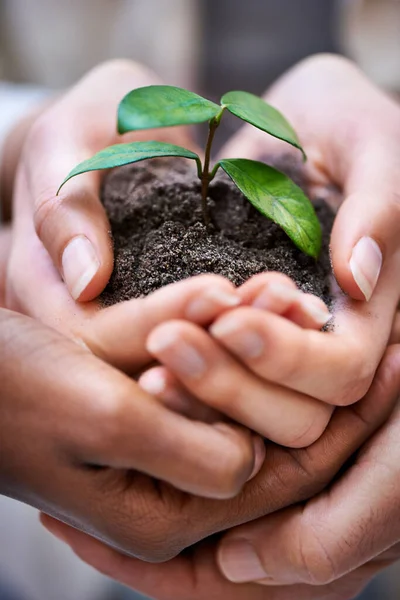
(159, 236)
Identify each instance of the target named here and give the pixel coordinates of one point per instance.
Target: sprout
(271, 192)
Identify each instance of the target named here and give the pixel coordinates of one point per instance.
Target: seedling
(270, 191)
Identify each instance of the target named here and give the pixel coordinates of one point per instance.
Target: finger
(351, 141)
(73, 225)
(345, 588)
(106, 419)
(304, 360)
(278, 293)
(290, 476)
(287, 477)
(366, 230)
(178, 579)
(177, 450)
(356, 147)
(364, 158)
(162, 384)
(213, 376)
(34, 285)
(195, 576)
(118, 334)
(352, 522)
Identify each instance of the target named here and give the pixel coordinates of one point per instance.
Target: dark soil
(159, 236)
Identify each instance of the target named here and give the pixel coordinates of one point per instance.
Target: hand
(67, 236)
(240, 386)
(349, 532)
(346, 360)
(269, 366)
(195, 574)
(351, 133)
(73, 428)
(36, 289)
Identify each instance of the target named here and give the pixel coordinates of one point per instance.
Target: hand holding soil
(305, 366)
(346, 358)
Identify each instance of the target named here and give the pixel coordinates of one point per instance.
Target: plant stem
(205, 176)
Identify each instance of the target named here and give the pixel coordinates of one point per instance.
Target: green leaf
(124, 154)
(254, 110)
(163, 106)
(279, 199)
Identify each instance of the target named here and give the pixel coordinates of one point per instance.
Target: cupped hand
(350, 130)
(81, 440)
(349, 529)
(66, 238)
(351, 133)
(111, 460)
(194, 363)
(290, 536)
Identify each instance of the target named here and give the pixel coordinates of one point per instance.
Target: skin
(102, 418)
(291, 353)
(198, 574)
(348, 363)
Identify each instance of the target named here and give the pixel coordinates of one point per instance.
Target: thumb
(365, 238)
(73, 225)
(337, 531)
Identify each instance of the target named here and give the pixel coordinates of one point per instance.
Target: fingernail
(259, 455)
(204, 307)
(79, 264)
(239, 562)
(246, 344)
(366, 264)
(274, 292)
(316, 310)
(153, 382)
(176, 353)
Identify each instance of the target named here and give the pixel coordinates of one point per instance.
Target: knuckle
(47, 207)
(151, 538)
(107, 415)
(234, 468)
(355, 386)
(311, 427)
(353, 381)
(315, 564)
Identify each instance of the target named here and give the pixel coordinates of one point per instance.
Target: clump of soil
(159, 235)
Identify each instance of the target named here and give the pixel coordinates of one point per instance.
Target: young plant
(269, 190)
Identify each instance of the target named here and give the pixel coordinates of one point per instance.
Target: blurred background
(210, 46)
